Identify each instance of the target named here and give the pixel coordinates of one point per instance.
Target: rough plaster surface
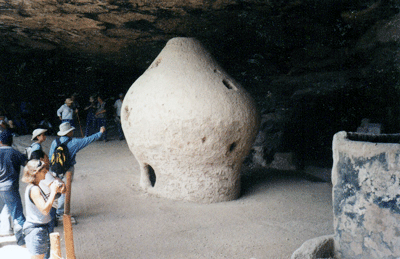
(189, 122)
(366, 198)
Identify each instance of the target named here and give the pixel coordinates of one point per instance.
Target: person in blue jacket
(11, 161)
(74, 145)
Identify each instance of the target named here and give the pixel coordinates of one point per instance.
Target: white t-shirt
(118, 106)
(65, 112)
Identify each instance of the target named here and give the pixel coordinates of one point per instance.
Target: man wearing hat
(74, 145)
(66, 113)
(11, 161)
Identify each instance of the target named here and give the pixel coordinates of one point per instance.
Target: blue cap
(6, 137)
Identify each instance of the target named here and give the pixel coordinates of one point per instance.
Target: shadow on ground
(253, 178)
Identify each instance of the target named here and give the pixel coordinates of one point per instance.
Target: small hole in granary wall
(232, 146)
(127, 112)
(156, 63)
(152, 175)
(228, 84)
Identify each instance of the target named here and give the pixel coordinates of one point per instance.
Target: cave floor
(276, 213)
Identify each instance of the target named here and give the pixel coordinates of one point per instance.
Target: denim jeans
(61, 200)
(119, 126)
(60, 208)
(38, 239)
(12, 199)
(90, 125)
(6, 222)
(100, 123)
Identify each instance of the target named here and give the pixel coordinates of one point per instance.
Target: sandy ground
(277, 212)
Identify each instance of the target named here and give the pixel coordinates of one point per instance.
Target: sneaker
(60, 220)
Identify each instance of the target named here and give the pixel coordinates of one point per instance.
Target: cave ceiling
(252, 39)
(136, 29)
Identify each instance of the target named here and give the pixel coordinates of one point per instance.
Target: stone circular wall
(189, 125)
(366, 195)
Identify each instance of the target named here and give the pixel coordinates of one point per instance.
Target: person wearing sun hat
(37, 152)
(36, 147)
(74, 146)
(66, 113)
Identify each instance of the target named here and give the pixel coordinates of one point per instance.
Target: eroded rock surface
(189, 125)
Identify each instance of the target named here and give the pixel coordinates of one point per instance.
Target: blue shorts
(38, 240)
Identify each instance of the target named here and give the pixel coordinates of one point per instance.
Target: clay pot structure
(366, 200)
(366, 195)
(189, 125)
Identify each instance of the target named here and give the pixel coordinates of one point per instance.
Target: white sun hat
(65, 128)
(37, 132)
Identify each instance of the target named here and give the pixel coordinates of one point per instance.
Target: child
(37, 151)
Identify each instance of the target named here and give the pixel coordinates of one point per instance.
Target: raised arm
(37, 198)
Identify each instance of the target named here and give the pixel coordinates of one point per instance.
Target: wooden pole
(68, 234)
(55, 247)
(79, 121)
(67, 203)
(69, 237)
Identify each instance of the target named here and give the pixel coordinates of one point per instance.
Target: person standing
(16, 116)
(66, 113)
(11, 161)
(26, 113)
(90, 119)
(118, 107)
(37, 227)
(101, 116)
(75, 105)
(74, 145)
(37, 153)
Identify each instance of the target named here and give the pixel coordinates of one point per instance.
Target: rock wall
(313, 67)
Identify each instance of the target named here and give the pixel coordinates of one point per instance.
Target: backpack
(60, 160)
(28, 151)
(37, 154)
